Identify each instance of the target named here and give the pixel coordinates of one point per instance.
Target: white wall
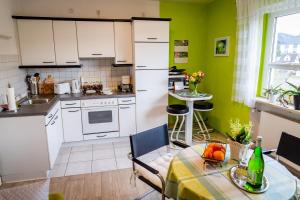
(7, 46)
(88, 8)
(9, 58)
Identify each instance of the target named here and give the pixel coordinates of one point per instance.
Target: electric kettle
(75, 86)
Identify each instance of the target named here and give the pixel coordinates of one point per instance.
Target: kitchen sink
(35, 101)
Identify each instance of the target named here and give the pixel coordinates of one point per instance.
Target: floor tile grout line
(68, 161)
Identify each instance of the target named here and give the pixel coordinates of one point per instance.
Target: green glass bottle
(256, 166)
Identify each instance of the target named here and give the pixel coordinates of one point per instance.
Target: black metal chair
(288, 148)
(152, 173)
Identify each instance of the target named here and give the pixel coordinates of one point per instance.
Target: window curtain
(249, 42)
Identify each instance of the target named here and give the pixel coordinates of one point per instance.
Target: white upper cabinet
(95, 39)
(151, 31)
(123, 43)
(36, 42)
(65, 40)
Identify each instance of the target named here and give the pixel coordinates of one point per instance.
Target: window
(282, 62)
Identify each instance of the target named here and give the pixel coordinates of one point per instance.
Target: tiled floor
(92, 156)
(98, 156)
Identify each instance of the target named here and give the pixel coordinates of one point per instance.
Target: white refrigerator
(151, 61)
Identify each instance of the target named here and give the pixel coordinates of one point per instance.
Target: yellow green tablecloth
(190, 179)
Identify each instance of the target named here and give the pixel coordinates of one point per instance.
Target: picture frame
(222, 46)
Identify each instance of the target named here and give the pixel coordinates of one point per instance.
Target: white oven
(100, 116)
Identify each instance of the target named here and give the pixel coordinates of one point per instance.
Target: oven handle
(104, 108)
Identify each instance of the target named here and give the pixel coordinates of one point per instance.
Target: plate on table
(242, 183)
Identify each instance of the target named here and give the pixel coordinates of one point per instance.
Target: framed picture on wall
(221, 47)
(181, 49)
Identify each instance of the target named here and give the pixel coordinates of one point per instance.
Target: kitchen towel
(11, 99)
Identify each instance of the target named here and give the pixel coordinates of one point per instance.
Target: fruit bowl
(214, 151)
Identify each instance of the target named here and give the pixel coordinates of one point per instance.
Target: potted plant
(272, 93)
(194, 80)
(294, 92)
(239, 139)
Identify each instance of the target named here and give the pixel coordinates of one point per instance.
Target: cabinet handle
(141, 66)
(152, 38)
(70, 104)
(56, 118)
(124, 107)
(50, 116)
(72, 111)
(71, 62)
(121, 61)
(101, 136)
(142, 90)
(53, 122)
(48, 62)
(126, 100)
(97, 54)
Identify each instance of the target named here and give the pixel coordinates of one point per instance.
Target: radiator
(271, 127)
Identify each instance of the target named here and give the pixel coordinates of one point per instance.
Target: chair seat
(161, 164)
(203, 105)
(177, 109)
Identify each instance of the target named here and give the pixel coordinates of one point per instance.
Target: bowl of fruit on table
(214, 152)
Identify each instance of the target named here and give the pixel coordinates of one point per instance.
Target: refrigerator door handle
(142, 90)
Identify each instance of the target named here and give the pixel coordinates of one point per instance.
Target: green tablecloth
(190, 179)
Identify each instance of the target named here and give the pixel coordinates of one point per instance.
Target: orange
(218, 155)
(208, 153)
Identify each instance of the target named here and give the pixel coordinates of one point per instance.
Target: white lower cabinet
(54, 137)
(127, 120)
(72, 124)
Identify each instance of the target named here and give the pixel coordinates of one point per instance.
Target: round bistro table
(189, 178)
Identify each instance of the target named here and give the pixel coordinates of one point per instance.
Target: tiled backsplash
(10, 73)
(91, 70)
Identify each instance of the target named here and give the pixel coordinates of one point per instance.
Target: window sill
(262, 104)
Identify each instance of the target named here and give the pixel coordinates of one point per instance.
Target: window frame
(268, 64)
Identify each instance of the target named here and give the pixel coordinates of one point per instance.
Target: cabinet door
(123, 43)
(65, 41)
(54, 137)
(151, 98)
(72, 125)
(36, 42)
(151, 55)
(127, 120)
(151, 31)
(95, 39)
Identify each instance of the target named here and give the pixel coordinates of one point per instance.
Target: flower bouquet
(194, 80)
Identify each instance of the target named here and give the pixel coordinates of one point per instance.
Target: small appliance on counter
(75, 86)
(125, 85)
(177, 79)
(62, 88)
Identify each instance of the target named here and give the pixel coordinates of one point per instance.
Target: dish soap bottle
(256, 166)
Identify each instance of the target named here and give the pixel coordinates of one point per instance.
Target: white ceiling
(194, 1)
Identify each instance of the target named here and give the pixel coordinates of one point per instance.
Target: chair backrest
(149, 140)
(289, 148)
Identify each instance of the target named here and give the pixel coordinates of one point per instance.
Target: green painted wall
(221, 22)
(201, 24)
(188, 22)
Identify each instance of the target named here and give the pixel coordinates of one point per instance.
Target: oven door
(100, 119)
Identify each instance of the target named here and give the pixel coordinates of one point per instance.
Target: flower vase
(238, 151)
(194, 89)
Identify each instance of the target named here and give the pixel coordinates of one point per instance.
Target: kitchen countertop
(44, 109)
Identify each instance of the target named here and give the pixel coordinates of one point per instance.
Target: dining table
(189, 98)
(190, 177)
